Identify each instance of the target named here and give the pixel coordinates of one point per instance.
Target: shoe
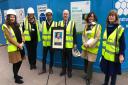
(20, 77)
(69, 75)
(33, 67)
(62, 73)
(19, 81)
(85, 77)
(104, 84)
(50, 71)
(42, 72)
(87, 82)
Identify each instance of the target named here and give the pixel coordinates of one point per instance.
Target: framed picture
(57, 38)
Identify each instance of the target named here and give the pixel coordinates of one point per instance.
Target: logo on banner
(122, 10)
(122, 7)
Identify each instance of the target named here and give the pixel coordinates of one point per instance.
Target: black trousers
(16, 67)
(113, 79)
(32, 52)
(67, 59)
(45, 52)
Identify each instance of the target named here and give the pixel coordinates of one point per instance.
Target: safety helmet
(30, 10)
(76, 52)
(48, 11)
(11, 11)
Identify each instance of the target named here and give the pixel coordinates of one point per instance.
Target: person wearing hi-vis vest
(32, 36)
(70, 40)
(47, 27)
(14, 40)
(113, 47)
(91, 42)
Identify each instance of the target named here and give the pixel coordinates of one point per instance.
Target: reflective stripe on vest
(46, 34)
(110, 44)
(69, 33)
(28, 28)
(10, 47)
(92, 35)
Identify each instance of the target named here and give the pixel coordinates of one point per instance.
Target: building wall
(100, 7)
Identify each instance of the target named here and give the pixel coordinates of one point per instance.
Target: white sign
(41, 11)
(0, 17)
(5, 13)
(79, 10)
(20, 15)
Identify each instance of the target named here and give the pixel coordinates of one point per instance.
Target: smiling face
(31, 15)
(12, 18)
(65, 15)
(91, 18)
(49, 16)
(112, 18)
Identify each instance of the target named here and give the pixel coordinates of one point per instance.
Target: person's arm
(97, 36)
(122, 44)
(9, 38)
(122, 48)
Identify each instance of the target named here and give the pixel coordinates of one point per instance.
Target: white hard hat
(30, 10)
(76, 52)
(11, 11)
(48, 11)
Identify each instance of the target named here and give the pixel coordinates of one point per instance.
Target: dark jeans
(67, 59)
(113, 79)
(32, 52)
(45, 52)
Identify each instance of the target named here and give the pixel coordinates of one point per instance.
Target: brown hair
(113, 12)
(8, 22)
(87, 18)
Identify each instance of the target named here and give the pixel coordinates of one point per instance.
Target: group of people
(113, 43)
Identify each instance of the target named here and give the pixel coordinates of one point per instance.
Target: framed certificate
(57, 38)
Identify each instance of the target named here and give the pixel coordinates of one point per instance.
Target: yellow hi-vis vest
(110, 46)
(10, 47)
(27, 28)
(92, 35)
(46, 34)
(69, 33)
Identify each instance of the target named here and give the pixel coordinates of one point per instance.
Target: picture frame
(57, 37)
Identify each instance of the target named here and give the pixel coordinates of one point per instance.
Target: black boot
(63, 72)
(50, 70)
(69, 74)
(18, 80)
(19, 77)
(87, 82)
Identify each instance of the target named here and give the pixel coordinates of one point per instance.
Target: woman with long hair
(14, 41)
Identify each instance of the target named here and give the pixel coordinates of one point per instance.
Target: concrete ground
(31, 77)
